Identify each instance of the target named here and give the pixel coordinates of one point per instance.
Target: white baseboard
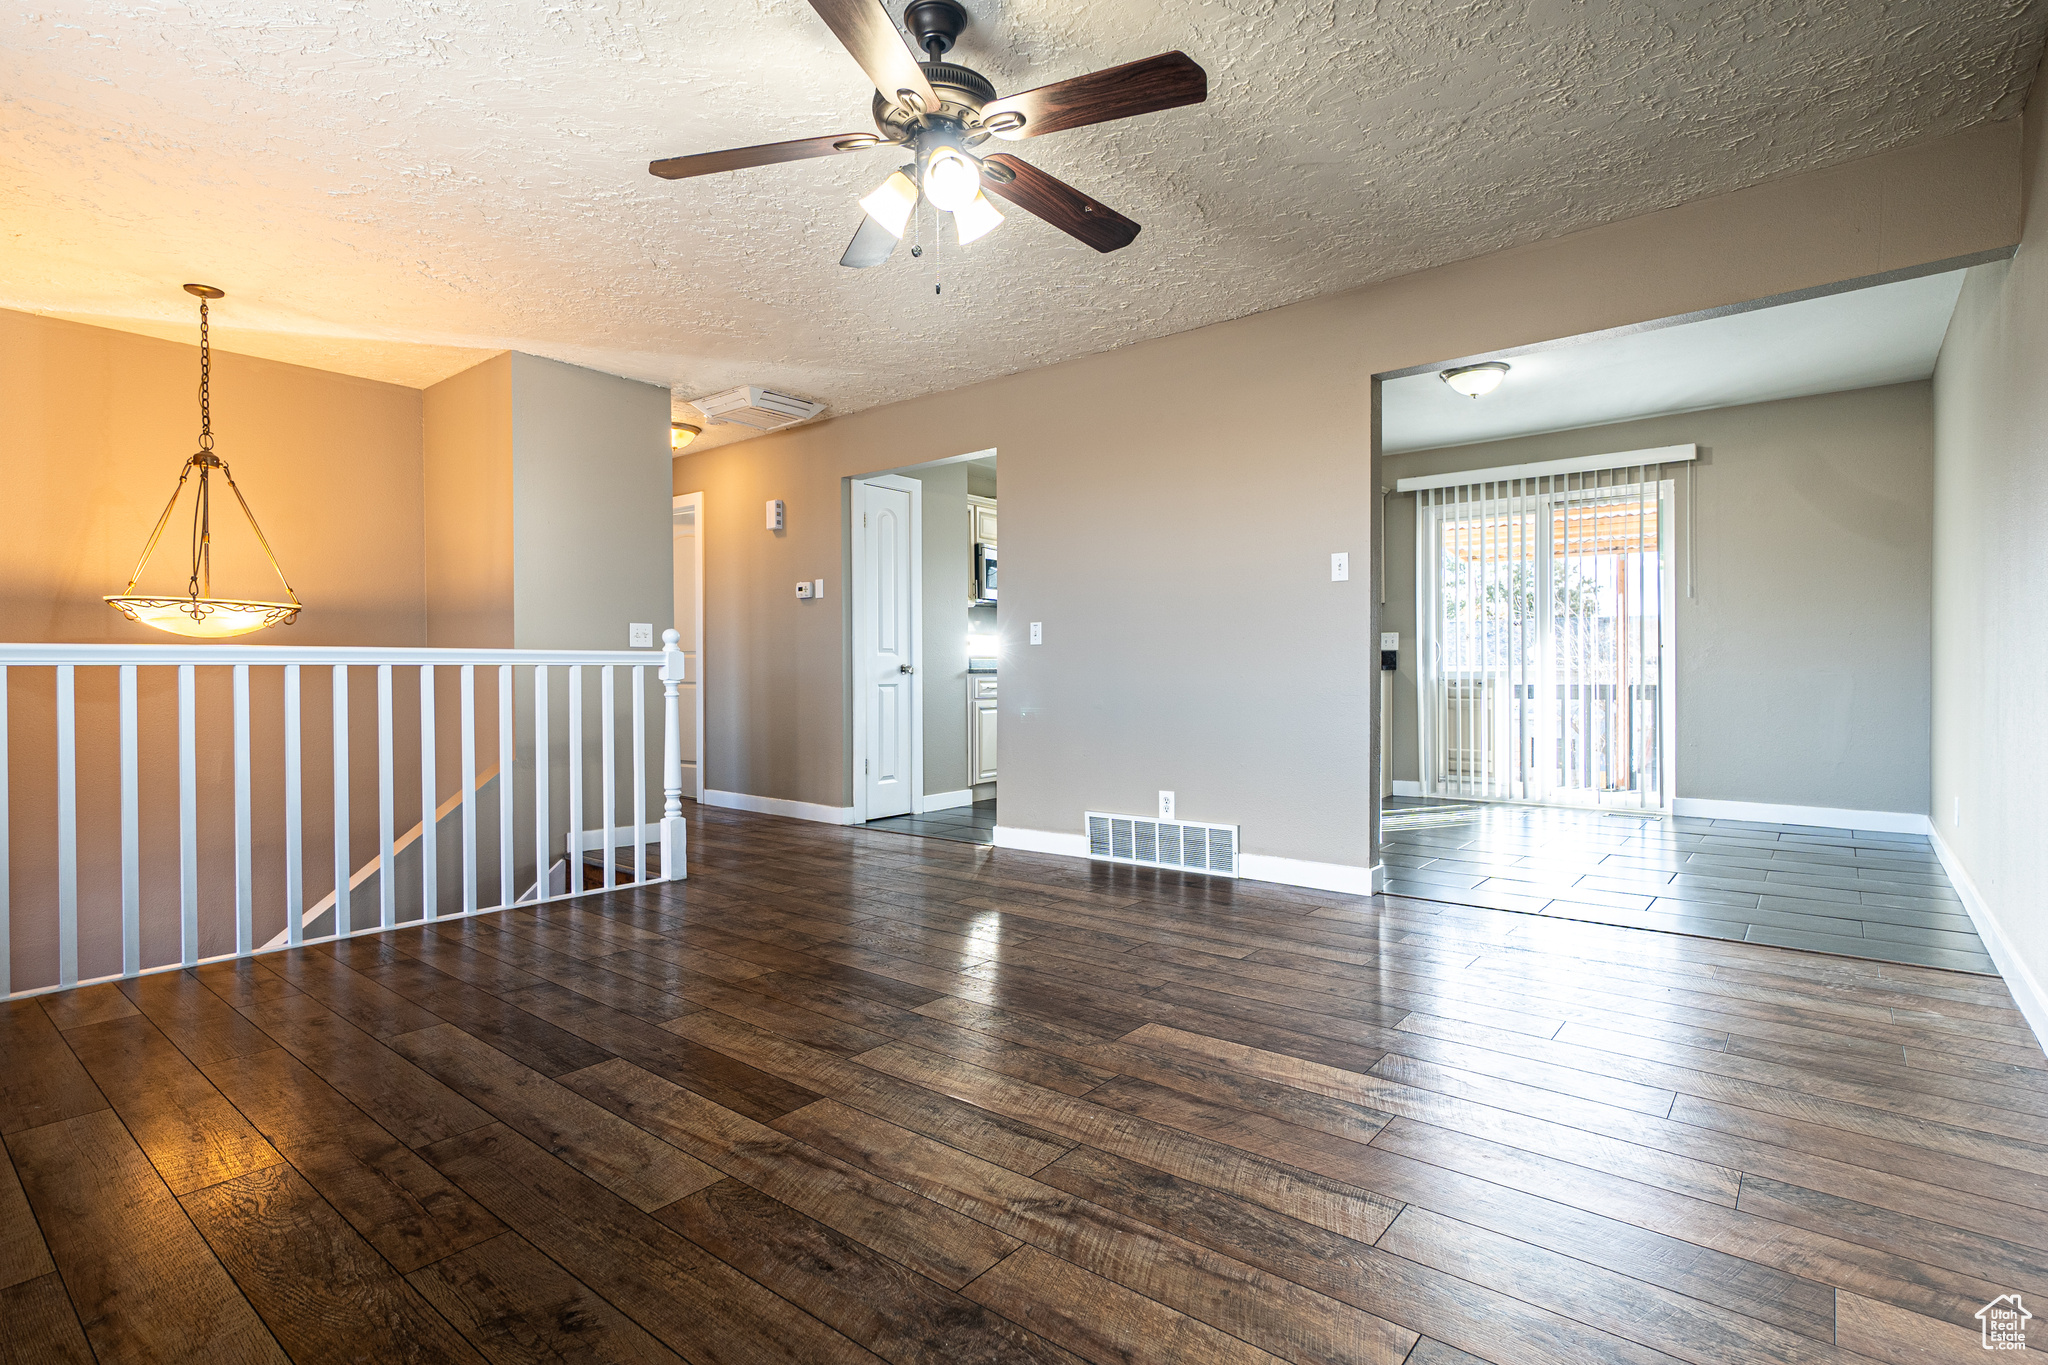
(1041, 841)
(1344, 877)
(2026, 989)
(775, 805)
(1379, 879)
(1251, 867)
(949, 800)
(1827, 817)
(1406, 788)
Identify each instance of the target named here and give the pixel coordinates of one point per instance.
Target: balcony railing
(167, 806)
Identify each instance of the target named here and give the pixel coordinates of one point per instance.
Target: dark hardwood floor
(845, 1096)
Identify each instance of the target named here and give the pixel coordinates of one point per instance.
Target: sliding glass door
(1544, 612)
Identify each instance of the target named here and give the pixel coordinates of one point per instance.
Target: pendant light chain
(205, 376)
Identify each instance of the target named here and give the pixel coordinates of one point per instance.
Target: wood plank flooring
(850, 1097)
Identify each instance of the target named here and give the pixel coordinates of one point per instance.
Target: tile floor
(975, 824)
(1854, 892)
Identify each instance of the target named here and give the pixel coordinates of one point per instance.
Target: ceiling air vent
(1163, 843)
(761, 409)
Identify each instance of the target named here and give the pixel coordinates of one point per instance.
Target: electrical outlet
(640, 635)
(1166, 805)
(1390, 639)
(1340, 567)
(803, 591)
(1037, 632)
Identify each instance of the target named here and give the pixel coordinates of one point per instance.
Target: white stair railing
(105, 874)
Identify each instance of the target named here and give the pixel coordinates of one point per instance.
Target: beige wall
(100, 422)
(1990, 807)
(1169, 509)
(1803, 652)
(468, 478)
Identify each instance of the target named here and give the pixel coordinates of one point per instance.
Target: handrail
(34, 655)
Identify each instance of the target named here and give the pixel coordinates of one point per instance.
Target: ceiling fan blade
(1163, 82)
(767, 154)
(867, 32)
(872, 244)
(1060, 204)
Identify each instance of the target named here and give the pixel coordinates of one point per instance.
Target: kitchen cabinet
(981, 730)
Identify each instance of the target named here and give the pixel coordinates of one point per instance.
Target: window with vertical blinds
(1543, 610)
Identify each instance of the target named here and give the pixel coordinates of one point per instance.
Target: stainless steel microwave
(984, 572)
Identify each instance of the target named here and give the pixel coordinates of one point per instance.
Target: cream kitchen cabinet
(981, 730)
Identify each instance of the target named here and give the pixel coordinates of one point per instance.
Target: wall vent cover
(759, 408)
(1145, 842)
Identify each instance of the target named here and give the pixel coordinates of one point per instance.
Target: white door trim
(860, 594)
(694, 504)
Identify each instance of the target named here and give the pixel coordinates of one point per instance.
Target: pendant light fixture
(199, 613)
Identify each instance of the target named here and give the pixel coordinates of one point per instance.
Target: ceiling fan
(943, 112)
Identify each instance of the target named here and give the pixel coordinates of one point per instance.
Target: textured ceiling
(396, 187)
(1886, 334)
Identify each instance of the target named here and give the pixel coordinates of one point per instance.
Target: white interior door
(886, 646)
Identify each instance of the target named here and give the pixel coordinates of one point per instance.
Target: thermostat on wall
(775, 514)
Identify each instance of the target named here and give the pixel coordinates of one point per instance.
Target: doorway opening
(926, 651)
(1656, 622)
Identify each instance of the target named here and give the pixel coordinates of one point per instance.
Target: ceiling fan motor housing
(936, 23)
(961, 94)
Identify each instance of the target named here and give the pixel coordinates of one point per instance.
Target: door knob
(905, 668)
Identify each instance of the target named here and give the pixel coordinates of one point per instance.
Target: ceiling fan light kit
(942, 112)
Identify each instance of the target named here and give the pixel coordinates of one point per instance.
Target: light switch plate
(1038, 632)
(1340, 567)
(775, 514)
(640, 635)
(817, 587)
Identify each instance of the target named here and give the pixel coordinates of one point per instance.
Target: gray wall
(1169, 508)
(1991, 595)
(1804, 667)
(592, 545)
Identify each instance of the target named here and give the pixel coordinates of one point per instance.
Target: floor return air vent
(1163, 843)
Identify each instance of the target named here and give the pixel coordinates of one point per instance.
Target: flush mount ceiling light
(1476, 381)
(942, 111)
(199, 612)
(681, 434)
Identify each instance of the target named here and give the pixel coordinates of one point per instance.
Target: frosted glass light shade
(204, 618)
(891, 202)
(1476, 381)
(977, 220)
(951, 180)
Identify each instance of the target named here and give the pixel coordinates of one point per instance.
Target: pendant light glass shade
(976, 220)
(199, 613)
(891, 202)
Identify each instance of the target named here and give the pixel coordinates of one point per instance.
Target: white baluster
(540, 782)
(674, 831)
(508, 890)
(294, 815)
(430, 802)
(639, 773)
(609, 711)
(342, 891)
(387, 806)
(245, 890)
(67, 827)
(6, 908)
(131, 830)
(468, 789)
(573, 873)
(188, 817)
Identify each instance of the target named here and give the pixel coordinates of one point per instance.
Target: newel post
(675, 834)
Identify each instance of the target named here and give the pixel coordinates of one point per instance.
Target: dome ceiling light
(1476, 381)
(199, 613)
